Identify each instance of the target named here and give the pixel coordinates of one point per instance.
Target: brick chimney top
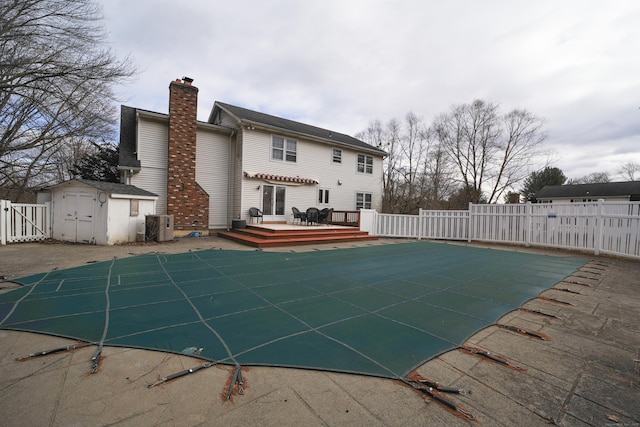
(185, 80)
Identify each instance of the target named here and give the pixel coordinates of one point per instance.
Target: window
(134, 207)
(323, 196)
(337, 155)
(365, 164)
(363, 200)
(284, 149)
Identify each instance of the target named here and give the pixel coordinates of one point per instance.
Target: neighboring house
(209, 173)
(95, 212)
(610, 191)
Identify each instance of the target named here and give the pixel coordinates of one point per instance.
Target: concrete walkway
(586, 373)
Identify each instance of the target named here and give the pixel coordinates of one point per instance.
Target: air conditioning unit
(159, 227)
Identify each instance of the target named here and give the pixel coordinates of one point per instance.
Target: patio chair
(300, 216)
(313, 215)
(255, 213)
(325, 216)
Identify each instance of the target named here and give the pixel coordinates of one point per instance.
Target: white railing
(23, 222)
(607, 227)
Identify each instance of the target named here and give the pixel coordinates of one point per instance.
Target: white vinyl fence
(598, 227)
(23, 222)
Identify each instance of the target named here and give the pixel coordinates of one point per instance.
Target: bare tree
(388, 139)
(592, 178)
(490, 151)
(629, 170)
(413, 165)
(56, 82)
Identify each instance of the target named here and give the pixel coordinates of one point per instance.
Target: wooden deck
(275, 235)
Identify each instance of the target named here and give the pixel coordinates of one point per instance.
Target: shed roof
(629, 189)
(246, 116)
(111, 187)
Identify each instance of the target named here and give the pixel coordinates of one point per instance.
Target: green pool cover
(377, 310)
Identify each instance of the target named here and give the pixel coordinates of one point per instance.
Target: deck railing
(598, 227)
(349, 218)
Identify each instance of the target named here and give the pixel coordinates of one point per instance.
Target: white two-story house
(207, 174)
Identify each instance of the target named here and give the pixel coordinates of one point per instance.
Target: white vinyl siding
(152, 153)
(212, 173)
(257, 159)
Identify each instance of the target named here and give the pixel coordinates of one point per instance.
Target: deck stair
(265, 237)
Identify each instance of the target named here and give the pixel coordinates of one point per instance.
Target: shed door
(78, 217)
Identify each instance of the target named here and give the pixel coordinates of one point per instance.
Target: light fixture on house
(258, 188)
(339, 182)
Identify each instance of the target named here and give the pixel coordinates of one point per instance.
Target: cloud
(339, 64)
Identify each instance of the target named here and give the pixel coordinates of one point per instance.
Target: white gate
(23, 222)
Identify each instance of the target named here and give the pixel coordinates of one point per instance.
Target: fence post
(368, 221)
(419, 223)
(599, 228)
(4, 211)
(49, 219)
(470, 226)
(528, 223)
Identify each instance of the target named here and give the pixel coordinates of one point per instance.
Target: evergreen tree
(102, 165)
(537, 180)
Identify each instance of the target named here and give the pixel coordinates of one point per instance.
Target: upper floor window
(284, 149)
(365, 163)
(337, 155)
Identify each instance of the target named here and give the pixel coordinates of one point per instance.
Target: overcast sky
(339, 64)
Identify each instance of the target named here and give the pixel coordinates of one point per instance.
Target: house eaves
(201, 125)
(250, 118)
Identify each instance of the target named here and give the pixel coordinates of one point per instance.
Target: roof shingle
(253, 117)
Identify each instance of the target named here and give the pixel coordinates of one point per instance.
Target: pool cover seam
(311, 328)
(222, 341)
(15, 305)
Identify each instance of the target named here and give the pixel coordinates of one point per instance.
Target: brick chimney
(186, 200)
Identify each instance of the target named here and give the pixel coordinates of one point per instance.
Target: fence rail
(598, 227)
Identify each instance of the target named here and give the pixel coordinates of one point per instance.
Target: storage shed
(95, 212)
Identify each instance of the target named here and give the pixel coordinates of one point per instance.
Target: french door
(273, 203)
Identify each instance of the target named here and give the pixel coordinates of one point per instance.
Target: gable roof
(630, 189)
(250, 117)
(111, 187)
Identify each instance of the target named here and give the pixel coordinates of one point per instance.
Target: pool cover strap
(53, 351)
(181, 374)
(98, 354)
